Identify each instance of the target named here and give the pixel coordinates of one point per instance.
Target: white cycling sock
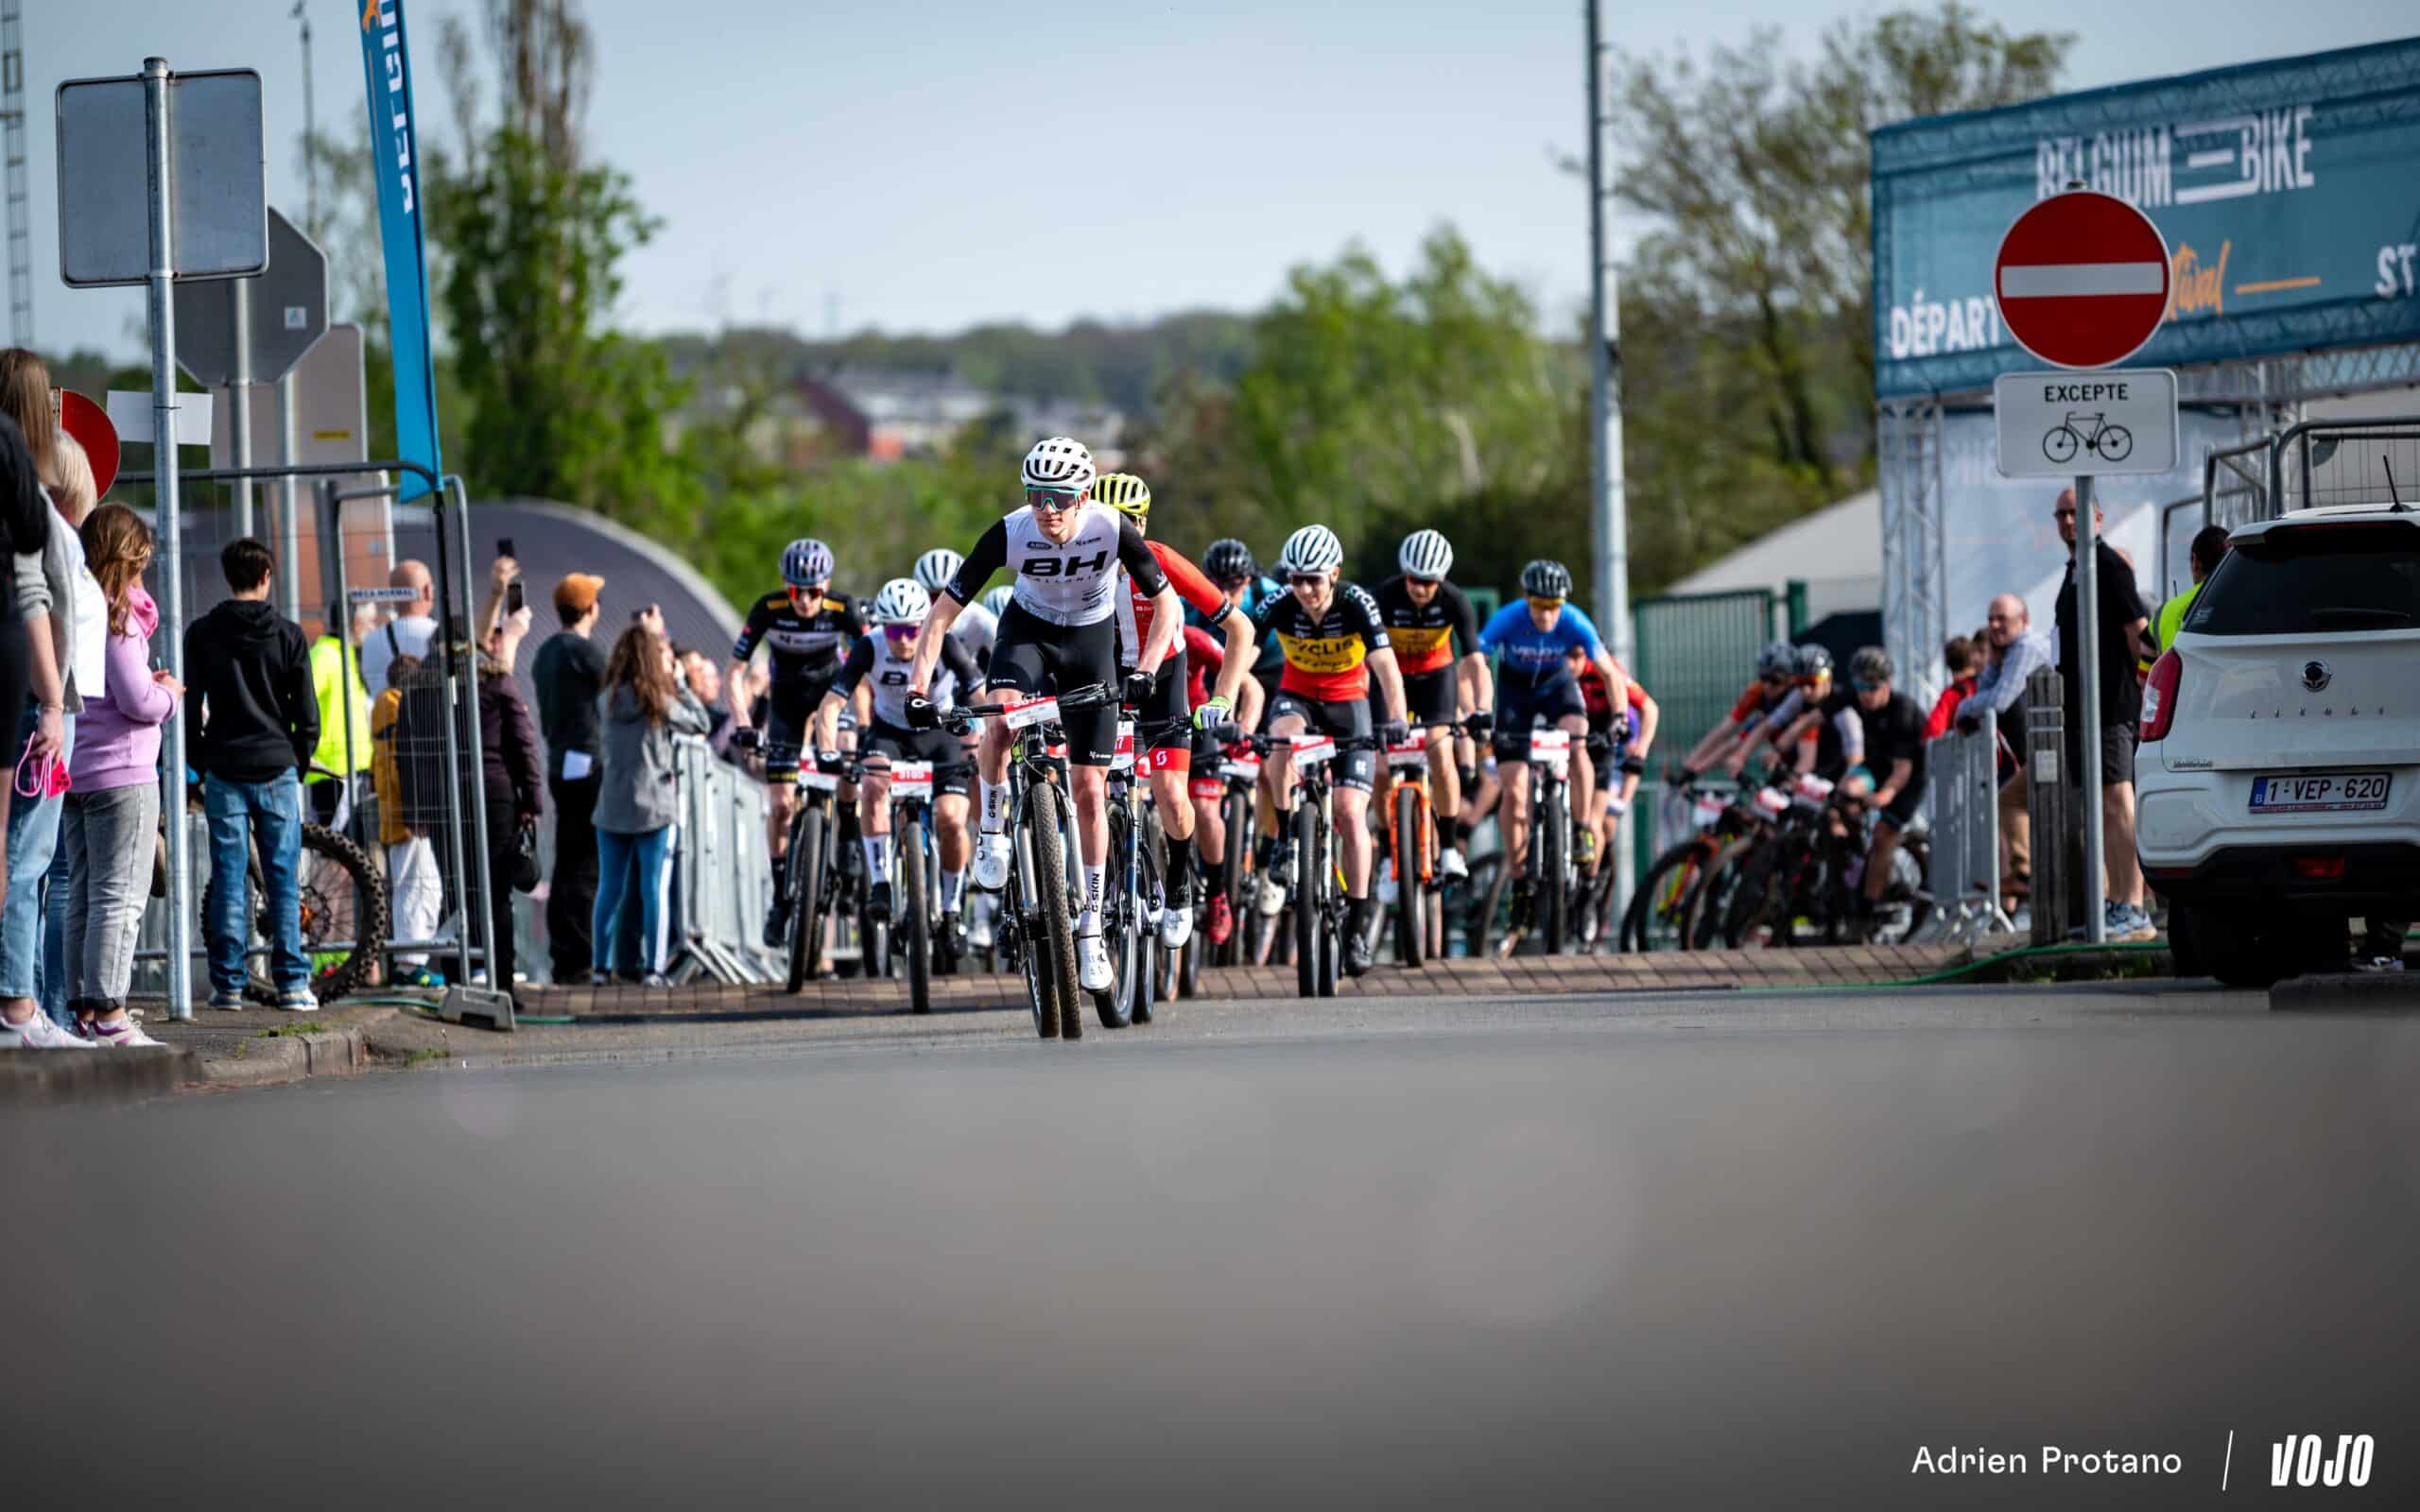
(1093, 876)
(996, 805)
(877, 856)
(953, 889)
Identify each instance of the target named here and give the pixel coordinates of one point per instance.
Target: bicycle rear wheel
(341, 898)
(1053, 937)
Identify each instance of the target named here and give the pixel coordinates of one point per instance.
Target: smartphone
(515, 597)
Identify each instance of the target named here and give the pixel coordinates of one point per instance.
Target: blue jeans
(627, 863)
(33, 840)
(239, 813)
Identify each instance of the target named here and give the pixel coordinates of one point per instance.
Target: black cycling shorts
(1348, 720)
(1164, 721)
(952, 771)
(1518, 707)
(1901, 811)
(1429, 697)
(1033, 657)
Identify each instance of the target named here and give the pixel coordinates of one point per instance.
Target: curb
(105, 1075)
(2368, 992)
(338, 1051)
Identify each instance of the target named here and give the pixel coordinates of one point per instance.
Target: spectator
(705, 679)
(344, 718)
(24, 530)
(1964, 661)
(59, 599)
(646, 705)
(409, 633)
(75, 498)
(2201, 560)
(2120, 623)
(511, 782)
(2015, 651)
(112, 811)
(252, 689)
(569, 674)
(498, 630)
(415, 888)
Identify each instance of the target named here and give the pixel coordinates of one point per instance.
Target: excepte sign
(2058, 424)
(2285, 191)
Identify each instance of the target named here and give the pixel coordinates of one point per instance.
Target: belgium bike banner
(2285, 191)
(395, 156)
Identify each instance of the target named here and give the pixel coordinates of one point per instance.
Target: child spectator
(112, 808)
(1965, 663)
(251, 685)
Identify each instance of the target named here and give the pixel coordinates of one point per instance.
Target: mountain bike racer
(1435, 633)
(1534, 686)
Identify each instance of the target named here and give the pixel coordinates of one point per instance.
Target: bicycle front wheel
(1309, 919)
(919, 921)
(1554, 837)
(1053, 936)
(1116, 1007)
(1411, 897)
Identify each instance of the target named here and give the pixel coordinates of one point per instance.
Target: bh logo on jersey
(1064, 566)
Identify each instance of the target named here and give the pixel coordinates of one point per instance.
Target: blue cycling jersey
(1256, 592)
(1534, 658)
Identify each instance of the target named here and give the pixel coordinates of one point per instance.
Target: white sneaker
(39, 1032)
(128, 1034)
(1272, 900)
(1092, 962)
(992, 854)
(1451, 867)
(298, 1000)
(1176, 927)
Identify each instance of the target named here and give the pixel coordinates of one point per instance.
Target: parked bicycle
(343, 900)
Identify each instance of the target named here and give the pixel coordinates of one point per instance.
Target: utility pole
(12, 148)
(310, 129)
(1608, 519)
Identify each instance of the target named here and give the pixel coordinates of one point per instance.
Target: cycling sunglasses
(1055, 500)
(1550, 605)
(1775, 679)
(1308, 579)
(1867, 687)
(1423, 582)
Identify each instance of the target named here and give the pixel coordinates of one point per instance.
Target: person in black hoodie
(248, 671)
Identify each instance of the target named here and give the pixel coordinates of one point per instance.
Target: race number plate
(1310, 752)
(1707, 811)
(1771, 803)
(1122, 758)
(1244, 765)
(911, 779)
(820, 782)
(2321, 793)
(1551, 746)
(1030, 712)
(1411, 753)
(1814, 789)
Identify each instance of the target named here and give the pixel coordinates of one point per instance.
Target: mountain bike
(915, 922)
(1036, 932)
(1654, 917)
(1547, 872)
(1412, 853)
(814, 879)
(1135, 893)
(1316, 895)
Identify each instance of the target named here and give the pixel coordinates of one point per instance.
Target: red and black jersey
(1326, 657)
(1135, 613)
(1424, 634)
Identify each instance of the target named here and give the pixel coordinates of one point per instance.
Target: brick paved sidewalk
(1521, 976)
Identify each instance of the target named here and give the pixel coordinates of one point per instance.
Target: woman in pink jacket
(112, 812)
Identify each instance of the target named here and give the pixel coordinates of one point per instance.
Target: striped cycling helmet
(1058, 462)
(1546, 579)
(1311, 549)
(935, 568)
(1126, 493)
(806, 562)
(997, 599)
(1425, 554)
(902, 601)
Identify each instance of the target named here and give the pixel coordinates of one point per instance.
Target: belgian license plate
(2328, 793)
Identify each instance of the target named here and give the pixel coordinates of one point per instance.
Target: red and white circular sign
(2082, 280)
(89, 424)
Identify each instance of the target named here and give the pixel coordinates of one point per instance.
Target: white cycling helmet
(935, 568)
(902, 601)
(806, 562)
(997, 599)
(1311, 549)
(1059, 463)
(1425, 554)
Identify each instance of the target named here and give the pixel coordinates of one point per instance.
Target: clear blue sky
(933, 166)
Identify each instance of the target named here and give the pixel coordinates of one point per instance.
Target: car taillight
(2319, 869)
(2159, 696)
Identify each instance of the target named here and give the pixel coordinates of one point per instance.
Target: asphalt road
(1721, 1250)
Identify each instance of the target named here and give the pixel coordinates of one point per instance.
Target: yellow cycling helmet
(1126, 493)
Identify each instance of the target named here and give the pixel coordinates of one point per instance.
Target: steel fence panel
(1962, 801)
(1694, 652)
(2319, 463)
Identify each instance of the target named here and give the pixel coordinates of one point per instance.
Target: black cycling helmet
(1779, 659)
(1228, 560)
(1871, 665)
(1813, 660)
(1546, 579)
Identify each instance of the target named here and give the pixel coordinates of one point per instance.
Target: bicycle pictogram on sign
(2090, 433)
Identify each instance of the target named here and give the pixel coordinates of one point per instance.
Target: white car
(2278, 779)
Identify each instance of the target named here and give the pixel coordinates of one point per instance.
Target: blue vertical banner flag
(395, 154)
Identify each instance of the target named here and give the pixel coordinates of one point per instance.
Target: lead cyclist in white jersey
(1060, 632)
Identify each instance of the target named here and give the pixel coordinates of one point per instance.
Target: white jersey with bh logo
(1069, 582)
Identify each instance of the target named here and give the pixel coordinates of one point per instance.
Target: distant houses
(889, 417)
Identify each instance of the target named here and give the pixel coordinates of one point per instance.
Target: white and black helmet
(1311, 549)
(902, 601)
(997, 599)
(1544, 578)
(1425, 554)
(935, 568)
(1058, 462)
(806, 562)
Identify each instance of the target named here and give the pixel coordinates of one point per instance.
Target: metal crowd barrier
(722, 874)
(1964, 798)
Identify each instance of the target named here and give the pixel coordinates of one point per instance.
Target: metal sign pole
(1610, 537)
(164, 447)
(290, 547)
(239, 398)
(2095, 890)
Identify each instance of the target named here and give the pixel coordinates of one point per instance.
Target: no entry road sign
(2082, 280)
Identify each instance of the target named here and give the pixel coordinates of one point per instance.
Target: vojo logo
(380, 15)
(2306, 1460)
